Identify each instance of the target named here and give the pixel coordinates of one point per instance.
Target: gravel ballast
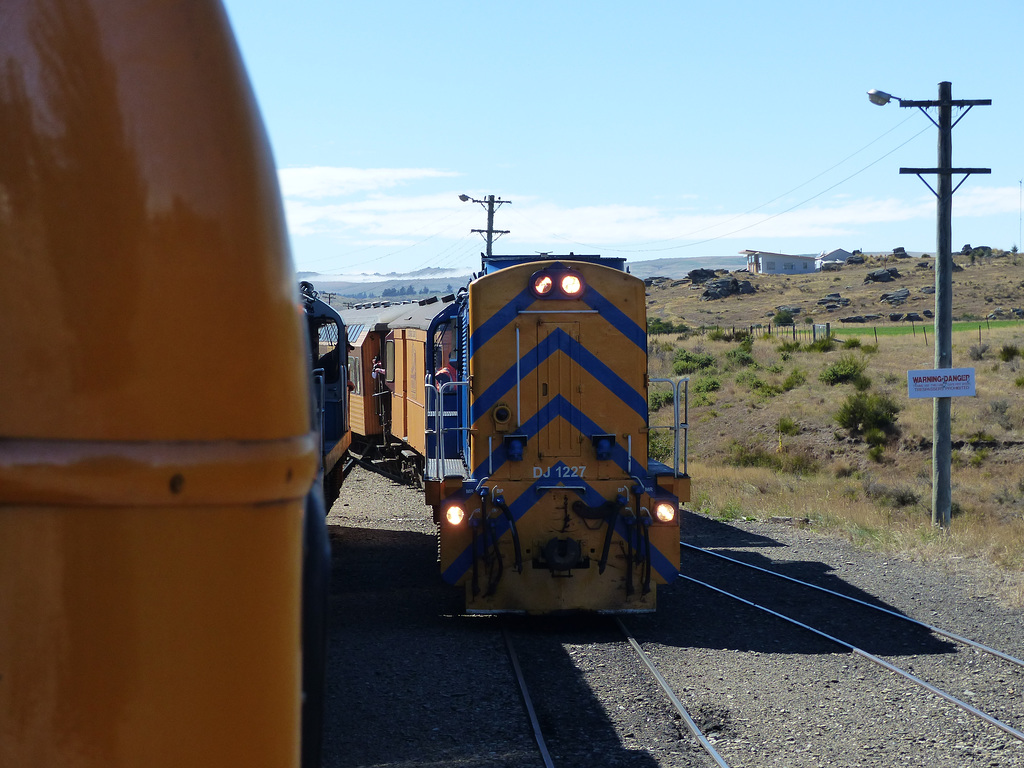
(411, 682)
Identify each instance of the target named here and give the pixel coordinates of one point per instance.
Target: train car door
(559, 387)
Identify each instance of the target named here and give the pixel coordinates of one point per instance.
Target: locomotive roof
(493, 263)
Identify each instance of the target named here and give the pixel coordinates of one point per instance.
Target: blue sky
(645, 130)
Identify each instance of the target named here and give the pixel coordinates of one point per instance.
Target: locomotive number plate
(559, 472)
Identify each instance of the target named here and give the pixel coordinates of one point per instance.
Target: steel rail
(694, 729)
(871, 657)
(531, 713)
(898, 615)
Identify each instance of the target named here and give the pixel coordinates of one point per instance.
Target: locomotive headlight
(665, 512)
(455, 514)
(542, 284)
(571, 284)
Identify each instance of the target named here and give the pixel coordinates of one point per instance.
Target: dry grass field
(827, 434)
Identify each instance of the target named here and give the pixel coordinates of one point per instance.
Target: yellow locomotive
(526, 400)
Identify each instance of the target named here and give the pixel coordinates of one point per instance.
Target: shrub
(658, 399)
(783, 317)
(1008, 351)
(875, 436)
(824, 344)
(657, 325)
(999, 410)
(977, 351)
(659, 445)
(795, 378)
(851, 343)
(740, 356)
(741, 455)
(757, 385)
(788, 427)
(789, 346)
(896, 496)
(705, 384)
(689, 362)
(847, 368)
(863, 411)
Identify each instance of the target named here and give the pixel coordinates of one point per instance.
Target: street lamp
(881, 98)
(941, 439)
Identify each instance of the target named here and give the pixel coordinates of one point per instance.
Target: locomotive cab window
(446, 358)
(329, 352)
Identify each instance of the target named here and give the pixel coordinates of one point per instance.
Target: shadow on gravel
(690, 615)
(704, 532)
(411, 682)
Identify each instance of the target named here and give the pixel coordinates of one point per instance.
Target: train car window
(389, 361)
(355, 375)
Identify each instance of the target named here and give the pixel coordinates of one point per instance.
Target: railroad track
(644, 714)
(981, 681)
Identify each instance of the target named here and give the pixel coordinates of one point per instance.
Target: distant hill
(431, 281)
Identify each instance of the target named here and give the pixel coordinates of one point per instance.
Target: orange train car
(157, 467)
(391, 382)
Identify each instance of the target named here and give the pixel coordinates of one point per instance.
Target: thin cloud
(397, 209)
(324, 181)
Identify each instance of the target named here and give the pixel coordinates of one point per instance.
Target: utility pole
(490, 204)
(941, 432)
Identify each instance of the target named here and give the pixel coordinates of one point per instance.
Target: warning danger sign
(941, 382)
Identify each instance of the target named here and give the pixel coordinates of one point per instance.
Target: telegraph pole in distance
(490, 204)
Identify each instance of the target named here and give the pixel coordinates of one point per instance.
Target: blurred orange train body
(155, 466)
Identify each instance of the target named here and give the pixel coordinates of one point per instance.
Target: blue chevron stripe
(525, 502)
(493, 325)
(618, 319)
(557, 340)
(559, 407)
(622, 322)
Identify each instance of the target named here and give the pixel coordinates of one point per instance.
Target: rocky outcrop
(699, 276)
(882, 275)
(726, 286)
(896, 297)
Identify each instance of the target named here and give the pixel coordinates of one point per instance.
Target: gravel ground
(413, 683)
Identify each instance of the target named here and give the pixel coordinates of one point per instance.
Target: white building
(766, 263)
(832, 260)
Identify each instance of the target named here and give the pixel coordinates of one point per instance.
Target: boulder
(852, 319)
(896, 297)
(700, 275)
(882, 275)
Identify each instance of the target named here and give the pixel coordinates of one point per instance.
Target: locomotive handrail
(439, 431)
(676, 424)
